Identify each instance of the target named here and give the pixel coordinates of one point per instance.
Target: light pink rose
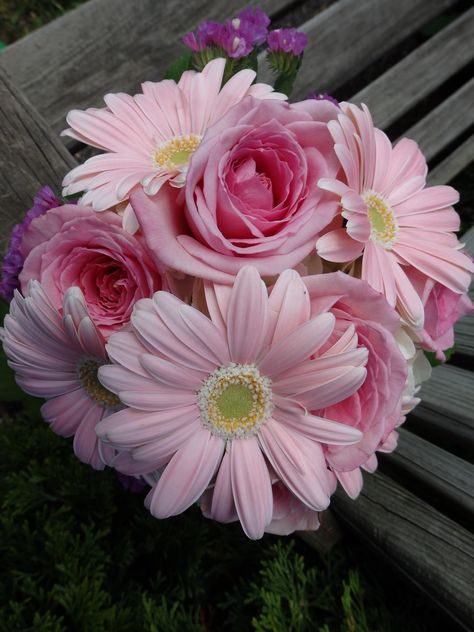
(375, 408)
(73, 246)
(251, 194)
(443, 308)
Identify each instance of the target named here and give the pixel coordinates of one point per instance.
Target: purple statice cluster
(13, 261)
(237, 38)
(287, 41)
(323, 96)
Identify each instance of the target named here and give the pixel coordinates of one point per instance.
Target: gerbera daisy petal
(248, 303)
(351, 482)
(58, 359)
(283, 450)
(223, 506)
(338, 246)
(297, 345)
(288, 305)
(251, 486)
(187, 475)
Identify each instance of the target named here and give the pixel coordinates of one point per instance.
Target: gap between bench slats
(429, 549)
(421, 72)
(106, 46)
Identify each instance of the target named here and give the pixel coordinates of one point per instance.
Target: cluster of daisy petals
(236, 310)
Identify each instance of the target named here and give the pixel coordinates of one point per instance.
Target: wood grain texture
(106, 46)
(420, 73)
(432, 551)
(446, 412)
(438, 474)
(453, 164)
(30, 156)
(445, 123)
(349, 35)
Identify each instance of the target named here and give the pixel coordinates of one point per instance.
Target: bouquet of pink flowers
(236, 310)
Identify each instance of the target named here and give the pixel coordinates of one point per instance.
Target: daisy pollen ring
(235, 401)
(176, 152)
(383, 224)
(86, 371)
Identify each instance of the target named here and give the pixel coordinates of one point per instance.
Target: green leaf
(176, 69)
(433, 360)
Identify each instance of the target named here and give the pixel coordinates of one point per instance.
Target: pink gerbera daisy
(57, 357)
(392, 220)
(224, 401)
(150, 137)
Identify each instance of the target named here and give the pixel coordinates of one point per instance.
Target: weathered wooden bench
(417, 511)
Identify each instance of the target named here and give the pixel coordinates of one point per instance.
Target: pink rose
(73, 246)
(375, 408)
(251, 194)
(443, 308)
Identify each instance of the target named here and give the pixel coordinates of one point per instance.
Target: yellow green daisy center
(86, 370)
(384, 226)
(176, 152)
(235, 401)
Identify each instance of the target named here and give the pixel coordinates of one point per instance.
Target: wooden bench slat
(421, 72)
(30, 157)
(445, 413)
(446, 122)
(460, 158)
(349, 35)
(431, 550)
(106, 46)
(468, 241)
(440, 473)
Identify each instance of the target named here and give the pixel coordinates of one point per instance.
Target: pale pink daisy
(222, 400)
(392, 220)
(56, 357)
(150, 137)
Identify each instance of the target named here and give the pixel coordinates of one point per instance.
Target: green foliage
(80, 553)
(182, 63)
(19, 17)
(433, 360)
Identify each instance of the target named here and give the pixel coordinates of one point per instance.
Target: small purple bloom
(233, 41)
(252, 25)
(13, 261)
(287, 41)
(206, 35)
(131, 483)
(323, 96)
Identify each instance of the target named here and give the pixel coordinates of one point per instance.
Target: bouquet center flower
(176, 152)
(384, 226)
(87, 373)
(235, 401)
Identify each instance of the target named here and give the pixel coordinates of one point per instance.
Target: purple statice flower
(287, 41)
(252, 25)
(233, 42)
(236, 38)
(131, 483)
(323, 96)
(206, 35)
(13, 261)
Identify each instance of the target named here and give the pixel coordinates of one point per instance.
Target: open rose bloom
(180, 320)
